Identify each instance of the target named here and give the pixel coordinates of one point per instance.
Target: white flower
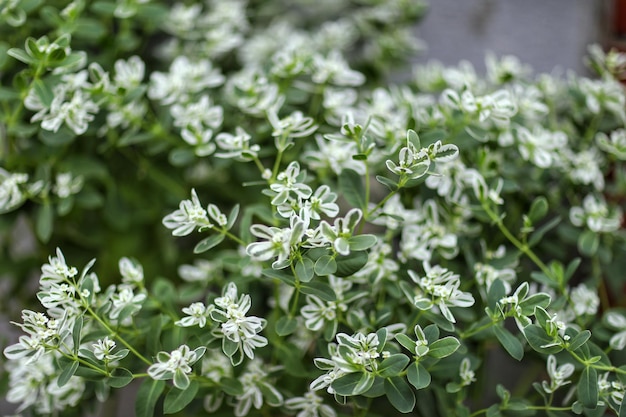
(56, 271)
(617, 322)
(276, 242)
(125, 300)
(466, 373)
(236, 146)
(189, 216)
(197, 315)
(558, 376)
(176, 365)
(201, 271)
(596, 215)
(256, 388)
(310, 405)
(131, 271)
(333, 69)
(11, 195)
(67, 185)
(184, 78)
(584, 300)
(542, 147)
(129, 73)
(440, 287)
(198, 114)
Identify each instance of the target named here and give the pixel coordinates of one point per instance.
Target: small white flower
(197, 315)
(176, 365)
(131, 271)
(188, 217)
(558, 375)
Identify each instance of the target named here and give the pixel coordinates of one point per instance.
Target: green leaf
(579, 340)
(232, 217)
(286, 325)
(538, 234)
(325, 265)
(495, 294)
(537, 339)
(270, 395)
(353, 384)
(588, 387)
(406, 341)
(63, 136)
(400, 394)
(510, 343)
(282, 276)
(588, 242)
(493, 411)
(362, 242)
(393, 365)
(319, 289)
(208, 243)
(305, 269)
(412, 137)
(68, 371)
(622, 408)
(21, 55)
(443, 347)
(350, 264)
(44, 222)
(540, 299)
(418, 376)
(120, 377)
(177, 399)
(351, 187)
(387, 182)
(44, 92)
(76, 333)
(147, 396)
(231, 386)
(538, 209)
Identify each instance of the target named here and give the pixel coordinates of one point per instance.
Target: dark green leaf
(61, 137)
(282, 276)
(387, 182)
(538, 209)
(147, 396)
(418, 376)
(350, 264)
(622, 407)
(579, 340)
(120, 378)
(231, 386)
(537, 339)
(495, 294)
(443, 347)
(351, 187)
(208, 243)
(393, 365)
(362, 242)
(353, 384)
(177, 399)
(540, 299)
(400, 394)
(588, 387)
(76, 333)
(406, 341)
(286, 325)
(510, 343)
(68, 371)
(319, 289)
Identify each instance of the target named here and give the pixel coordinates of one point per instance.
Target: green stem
(525, 249)
(116, 335)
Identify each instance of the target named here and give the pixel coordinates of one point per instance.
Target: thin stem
(519, 245)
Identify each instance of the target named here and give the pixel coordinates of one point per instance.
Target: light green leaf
(400, 394)
(443, 347)
(325, 265)
(588, 387)
(362, 242)
(231, 386)
(510, 343)
(286, 325)
(351, 187)
(305, 269)
(418, 376)
(177, 399)
(76, 333)
(147, 396)
(21, 55)
(588, 242)
(538, 234)
(406, 341)
(412, 137)
(495, 294)
(208, 243)
(393, 365)
(44, 223)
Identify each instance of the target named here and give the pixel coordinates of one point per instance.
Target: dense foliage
(280, 230)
